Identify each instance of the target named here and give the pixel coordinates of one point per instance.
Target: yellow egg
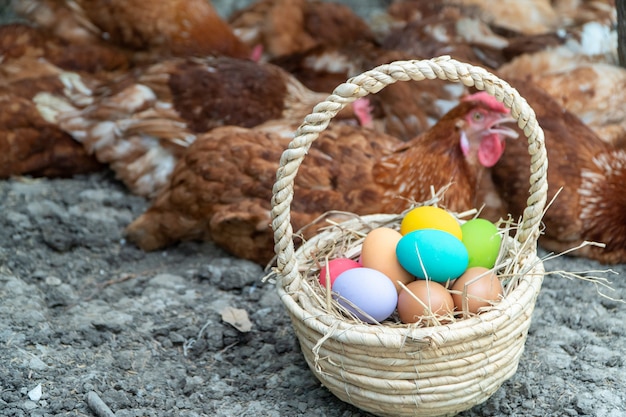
(379, 252)
(430, 217)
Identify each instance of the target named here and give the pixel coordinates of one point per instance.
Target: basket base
(422, 402)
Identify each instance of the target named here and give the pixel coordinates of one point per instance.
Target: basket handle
(373, 81)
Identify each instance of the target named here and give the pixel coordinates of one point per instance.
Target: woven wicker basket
(406, 370)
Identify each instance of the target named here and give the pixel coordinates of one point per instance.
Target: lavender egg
(367, 293)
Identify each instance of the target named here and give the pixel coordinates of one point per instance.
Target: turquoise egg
(432, 253)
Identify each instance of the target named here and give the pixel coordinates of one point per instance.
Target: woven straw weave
(406, 370)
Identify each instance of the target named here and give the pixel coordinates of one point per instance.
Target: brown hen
(463, 29)
(221, 189)
(403, 110)
(161, 27)
(530, 17)
(591, 173)
(582, 77)
(285, 27)
(439, 28)
(19, 40)
(141, 123)
(30, 145)
(526, 16)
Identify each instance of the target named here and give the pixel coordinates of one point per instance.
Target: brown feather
(31, 146)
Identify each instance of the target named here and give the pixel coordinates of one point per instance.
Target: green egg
(482, 241)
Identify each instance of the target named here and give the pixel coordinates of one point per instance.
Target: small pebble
(29, 405)
(37, 364)
(35, 393)
(53, 281)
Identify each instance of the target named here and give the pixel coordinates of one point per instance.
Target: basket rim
(372, 81)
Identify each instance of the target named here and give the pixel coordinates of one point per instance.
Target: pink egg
(336, 267)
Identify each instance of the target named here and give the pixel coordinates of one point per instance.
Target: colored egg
(379, 252)
(334, 267)
(430, 217)
(482, 241)
(477, 288)
(367, 293)
(424, 301)
(432, 254)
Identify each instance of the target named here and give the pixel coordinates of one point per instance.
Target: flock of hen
(193, 111)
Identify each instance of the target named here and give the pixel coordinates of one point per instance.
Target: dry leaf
(237, 317)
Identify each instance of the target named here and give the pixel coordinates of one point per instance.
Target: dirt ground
(82, 311)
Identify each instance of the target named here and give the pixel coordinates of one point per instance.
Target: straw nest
(395, 369)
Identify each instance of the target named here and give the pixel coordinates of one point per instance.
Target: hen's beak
(503, 131)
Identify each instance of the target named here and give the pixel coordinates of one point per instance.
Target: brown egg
(379, 252)
(434, 302)
(478, 287)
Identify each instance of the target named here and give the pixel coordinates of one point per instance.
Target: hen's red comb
(488, 99)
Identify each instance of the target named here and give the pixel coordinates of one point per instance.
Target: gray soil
(82, 311)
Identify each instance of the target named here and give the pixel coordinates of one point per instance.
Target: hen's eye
(477, 116)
